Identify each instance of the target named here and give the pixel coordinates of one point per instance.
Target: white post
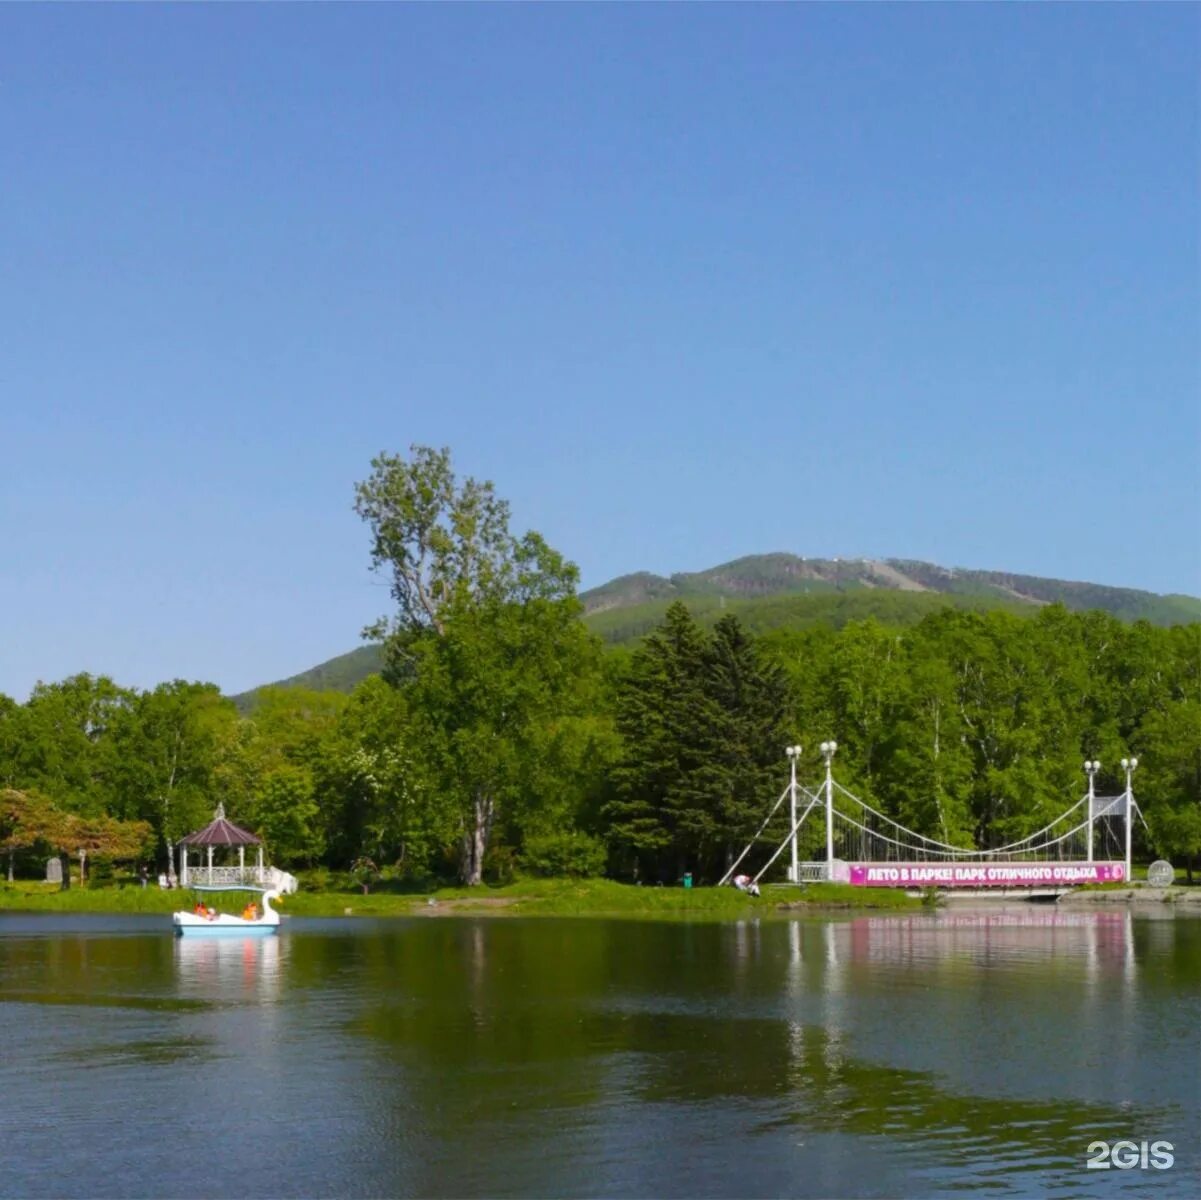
(183, 865)
(793, 752)
(241, 864)
(1091, 768)
(210, 857)
(827, 749)
(260, 863)
(1128, 764)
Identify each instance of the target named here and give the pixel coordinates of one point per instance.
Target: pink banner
(998, 874)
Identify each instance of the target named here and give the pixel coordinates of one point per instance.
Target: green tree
(703, 722)
(68, 752)
(287, 816)
(26, 822)
(749, 714)
(370, 787)
(29, 820)
(12, 738)
(660, 706)
(927, 779)
(1169, 786)
(170, 747)
(269, 764)
(486, 638)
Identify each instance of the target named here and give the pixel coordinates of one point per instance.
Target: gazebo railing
(204, 874)
(246, 876)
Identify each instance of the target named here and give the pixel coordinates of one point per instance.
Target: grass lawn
(527, 897)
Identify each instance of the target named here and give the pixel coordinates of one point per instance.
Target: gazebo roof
(220, 832)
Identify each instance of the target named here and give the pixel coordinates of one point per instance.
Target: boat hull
(190, 925)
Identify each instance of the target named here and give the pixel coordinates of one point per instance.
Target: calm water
(876, 1056)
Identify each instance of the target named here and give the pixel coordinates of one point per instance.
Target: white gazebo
(220, 833)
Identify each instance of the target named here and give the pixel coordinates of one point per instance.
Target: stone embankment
(1184, 897)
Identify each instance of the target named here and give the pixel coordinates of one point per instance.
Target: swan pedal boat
(190, 924)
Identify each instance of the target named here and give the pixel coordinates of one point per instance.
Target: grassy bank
(529, 897)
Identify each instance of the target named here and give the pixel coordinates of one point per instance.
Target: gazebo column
(210, 850)
(183, 865)
(261, 879)
(241, 864)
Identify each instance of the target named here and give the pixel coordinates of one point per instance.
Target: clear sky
(686, 282)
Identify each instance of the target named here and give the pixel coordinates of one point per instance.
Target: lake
(942, 1053)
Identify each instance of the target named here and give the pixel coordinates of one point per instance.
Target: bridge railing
(812, 872)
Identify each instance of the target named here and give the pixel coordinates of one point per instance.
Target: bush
(500, 865)
(409, 878)
(573, 853)
(101, 873)
(364, 872)
(317, 879)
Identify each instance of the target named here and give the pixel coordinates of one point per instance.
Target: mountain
(777, 574)
(772, 591)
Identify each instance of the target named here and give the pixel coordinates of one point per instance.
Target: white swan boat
(192, 924)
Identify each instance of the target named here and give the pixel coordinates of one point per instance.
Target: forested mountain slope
(785, 591)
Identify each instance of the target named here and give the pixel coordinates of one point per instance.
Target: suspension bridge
(1089, 842)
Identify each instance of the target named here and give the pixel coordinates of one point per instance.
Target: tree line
(502, 736)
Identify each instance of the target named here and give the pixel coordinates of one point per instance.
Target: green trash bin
(688, 879)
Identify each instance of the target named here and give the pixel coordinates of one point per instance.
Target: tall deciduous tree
(486, 637)
(26, 820)
(170, 748)
(67, 751)
(1171, 779)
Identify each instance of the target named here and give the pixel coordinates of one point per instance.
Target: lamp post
(1128, 765)
(828, 749)
(1091, 767)
(793, 752)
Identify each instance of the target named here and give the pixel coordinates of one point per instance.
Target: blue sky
(686, 282)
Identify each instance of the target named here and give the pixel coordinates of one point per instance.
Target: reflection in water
(1008, 934)
(917, 1054)
(231, 968)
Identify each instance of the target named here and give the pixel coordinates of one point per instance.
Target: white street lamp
(828, 749)
(1091, 767)
(1128, 765)
(794, 753)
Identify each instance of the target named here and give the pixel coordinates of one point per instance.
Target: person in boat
(250, 912)
(200, 910)
(211, 913)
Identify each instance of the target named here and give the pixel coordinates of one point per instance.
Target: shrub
(101, 873)
(364, 872)
(317, 879)
(500, 864)
(569, 853)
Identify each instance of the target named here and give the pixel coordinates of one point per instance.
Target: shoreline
(596, 898)
(537, 897)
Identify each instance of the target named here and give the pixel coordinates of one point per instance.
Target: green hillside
(776, 574)
(339, 674)
(761, 614)
(785, 591)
